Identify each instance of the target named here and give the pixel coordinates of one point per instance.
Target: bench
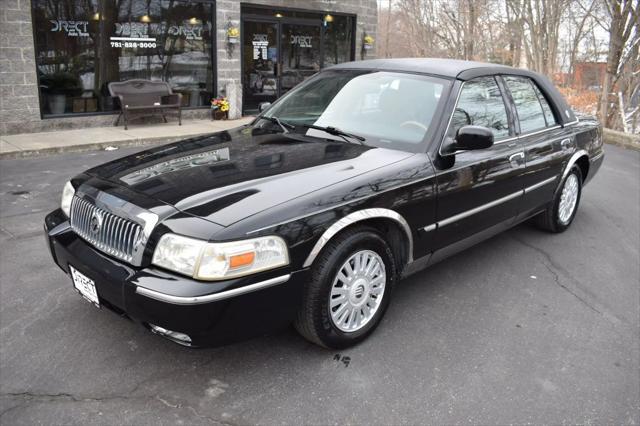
(142, 98)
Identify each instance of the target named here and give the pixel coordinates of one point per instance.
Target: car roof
(450, 68)
(464, 70)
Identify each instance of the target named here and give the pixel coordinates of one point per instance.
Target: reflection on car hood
(228, 176)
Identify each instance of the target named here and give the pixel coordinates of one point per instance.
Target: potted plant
(219, 108)
(57, 87)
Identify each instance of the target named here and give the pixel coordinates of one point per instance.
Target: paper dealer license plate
(85, 285)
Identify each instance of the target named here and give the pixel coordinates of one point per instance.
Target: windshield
(389, 109)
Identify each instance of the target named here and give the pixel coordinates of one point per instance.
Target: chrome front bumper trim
(196, 300)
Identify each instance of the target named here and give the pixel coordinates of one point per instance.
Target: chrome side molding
(486, 206)
(390, 214)
(539, 184)
(358, 216)
(196, 300)
(478, 209)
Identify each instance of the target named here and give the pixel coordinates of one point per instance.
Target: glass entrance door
(300, 46)
(259, 64)
(278, 52)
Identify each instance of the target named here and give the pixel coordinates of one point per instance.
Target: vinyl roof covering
(451, 68)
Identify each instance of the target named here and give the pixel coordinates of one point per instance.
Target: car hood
(228, 176)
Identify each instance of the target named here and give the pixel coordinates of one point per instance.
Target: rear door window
(527, 103)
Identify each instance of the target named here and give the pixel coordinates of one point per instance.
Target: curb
(128, 143)
(626, 145)
(624, 140)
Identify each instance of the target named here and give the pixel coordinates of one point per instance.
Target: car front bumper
(210, 313)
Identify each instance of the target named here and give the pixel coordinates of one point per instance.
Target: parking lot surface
(527, 327)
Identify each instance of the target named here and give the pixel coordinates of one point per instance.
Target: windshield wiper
(285, 126)
(337, 132)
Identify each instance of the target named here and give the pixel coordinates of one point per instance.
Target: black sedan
(365, 173)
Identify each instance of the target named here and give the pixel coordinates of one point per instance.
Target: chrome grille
(107, 232)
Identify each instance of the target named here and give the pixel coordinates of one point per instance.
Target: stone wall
(19, 103)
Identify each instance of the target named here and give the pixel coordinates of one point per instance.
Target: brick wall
(19, 103)
(18, 88)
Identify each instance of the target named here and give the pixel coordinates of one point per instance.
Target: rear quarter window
(548, 113)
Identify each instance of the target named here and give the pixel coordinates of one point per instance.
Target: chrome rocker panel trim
(357, 217)
(197, 300)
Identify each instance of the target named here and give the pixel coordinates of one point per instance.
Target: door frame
(279, 23)
(251, 17)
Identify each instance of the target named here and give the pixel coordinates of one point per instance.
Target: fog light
(180, 338)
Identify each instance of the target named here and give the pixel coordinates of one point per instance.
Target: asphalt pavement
(527, 327)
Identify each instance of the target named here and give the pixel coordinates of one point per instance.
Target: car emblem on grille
(95, 223)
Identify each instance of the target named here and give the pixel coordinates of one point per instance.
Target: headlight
(218, 261)
(67, 196)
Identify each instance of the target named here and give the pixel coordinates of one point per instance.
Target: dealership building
(57, 57)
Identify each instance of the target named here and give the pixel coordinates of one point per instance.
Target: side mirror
(473, 137)
(263, 106)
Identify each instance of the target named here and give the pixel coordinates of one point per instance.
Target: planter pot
(57, 103)
(219, 115)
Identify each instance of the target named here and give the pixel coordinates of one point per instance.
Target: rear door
(479, 189)
(546, 144)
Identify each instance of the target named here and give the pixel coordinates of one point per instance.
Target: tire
(327, 292)
(555, 219)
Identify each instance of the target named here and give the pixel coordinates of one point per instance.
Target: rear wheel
(350, 289)
(560, 214)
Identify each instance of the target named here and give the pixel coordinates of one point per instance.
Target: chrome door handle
(516, 159)
(565, 143)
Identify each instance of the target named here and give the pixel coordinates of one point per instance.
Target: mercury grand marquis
(311, 214)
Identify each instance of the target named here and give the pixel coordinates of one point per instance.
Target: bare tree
(624, 34)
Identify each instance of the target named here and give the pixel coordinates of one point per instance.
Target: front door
(260, 82)
(482, 189)
(300, 57)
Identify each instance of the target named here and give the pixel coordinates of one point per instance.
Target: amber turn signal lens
(243, 259)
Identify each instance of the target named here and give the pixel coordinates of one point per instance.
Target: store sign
(301, 41)
(260, 44)
(71, 28)
(132, 30)
(141, 35)
(190, 32)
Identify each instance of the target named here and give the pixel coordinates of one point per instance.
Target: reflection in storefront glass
(180, 163)
(82, 45)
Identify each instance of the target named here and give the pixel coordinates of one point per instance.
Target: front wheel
(350, 289)
(560, 214)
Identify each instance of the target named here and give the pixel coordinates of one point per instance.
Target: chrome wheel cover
(357, 291)
(568, 199)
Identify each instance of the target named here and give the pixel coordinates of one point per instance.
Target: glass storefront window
(338, 39)
(83, 45)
